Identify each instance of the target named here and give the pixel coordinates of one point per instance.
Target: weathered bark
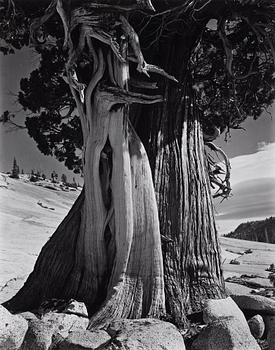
(107, 252)
(192, 258)
(174, 140)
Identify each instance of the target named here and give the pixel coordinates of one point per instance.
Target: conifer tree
(15, 170)
(153, 86)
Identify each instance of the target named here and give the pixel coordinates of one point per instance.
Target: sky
(17, 143)
(251, 152)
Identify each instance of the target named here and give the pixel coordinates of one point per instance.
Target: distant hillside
(259, 231)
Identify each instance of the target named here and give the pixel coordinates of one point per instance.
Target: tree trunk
(107, 251)
(173, 139)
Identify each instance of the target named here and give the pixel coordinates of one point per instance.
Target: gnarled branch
(117, 95)
(224, 187)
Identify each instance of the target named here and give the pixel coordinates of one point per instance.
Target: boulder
(226, 333)
(255, 303)
(77, 308)
(39, 335)
(145, 334)
(63, 323)
(12, 330)
(234, 288)
(28, 316)
(220, 308)
(270, 328)
(257, 326)
(82, 340)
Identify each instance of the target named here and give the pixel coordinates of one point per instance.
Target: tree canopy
(141, 239)
(231, 68)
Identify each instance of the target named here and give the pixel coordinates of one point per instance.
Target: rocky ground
(29, 214)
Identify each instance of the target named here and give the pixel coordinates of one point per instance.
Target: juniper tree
(143, 89)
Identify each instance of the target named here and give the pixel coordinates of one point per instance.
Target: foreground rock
(270, 327)
(41, 332)
(145, 334)
(77, 308)
(86, 340)
(12, 330)
(28, 316)
(257, 326)
(226, 333)
(214, 309)
(63, 323)
(39, 335)
(255, 303)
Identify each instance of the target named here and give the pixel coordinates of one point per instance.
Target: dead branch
(227, 47)
(118, 95)
(224, 187)
(37, 36)
(142, 67)
(64, 18)
(94, 81)
(143, 84)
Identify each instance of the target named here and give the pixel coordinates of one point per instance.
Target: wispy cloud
(253, 188)
(258, 165)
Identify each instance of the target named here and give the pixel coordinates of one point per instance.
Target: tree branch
(64, 18)
(94, 81)
(224, 185)
(142, 67)
(118, 95)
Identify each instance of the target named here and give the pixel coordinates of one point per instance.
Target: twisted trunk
(107, 251)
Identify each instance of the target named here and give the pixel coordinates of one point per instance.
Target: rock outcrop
(214, 309)
(12, 330)
(257, 326)
(226, 333)
(86, 340)
(270, 329)
(255, 303)
(259, 231)
(226, 329)
(146, 334)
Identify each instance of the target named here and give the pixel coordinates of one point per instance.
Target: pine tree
(15, 170)
(64, 178)
(54, 176)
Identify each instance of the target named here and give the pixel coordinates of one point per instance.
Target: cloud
(257, 165)
(253, 189)
(252, 198)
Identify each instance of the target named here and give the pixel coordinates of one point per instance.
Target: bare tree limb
(118, 95)
(224, 185)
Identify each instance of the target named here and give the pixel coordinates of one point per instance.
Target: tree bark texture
(174, 141)
(107, 252)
